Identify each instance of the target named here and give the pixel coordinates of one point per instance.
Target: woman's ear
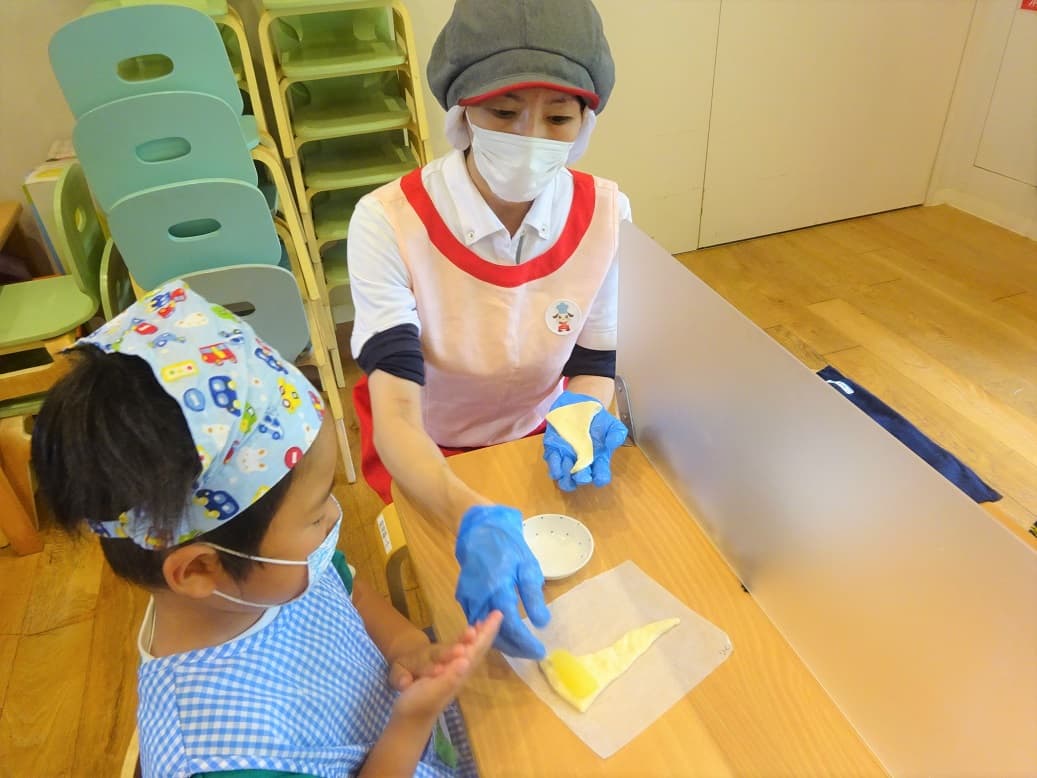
(193, 571)
(457, 131)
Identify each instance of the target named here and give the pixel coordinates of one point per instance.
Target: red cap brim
(590, 98)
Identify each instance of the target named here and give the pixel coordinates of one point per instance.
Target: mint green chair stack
(353, 41)
(151, 140)
(172, 162)
(166, 232)
(235, 41)
(264, 296)
(348, 105)
(347, 97)
(104, 57)
(207, 7)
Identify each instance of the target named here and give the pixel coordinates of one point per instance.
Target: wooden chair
(131, 761)
(396, 554)
(18, 518)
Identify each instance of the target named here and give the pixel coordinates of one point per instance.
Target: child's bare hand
(427, 662)
(430, 678)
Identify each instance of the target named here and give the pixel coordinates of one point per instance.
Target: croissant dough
(580, 679)
(573, 423)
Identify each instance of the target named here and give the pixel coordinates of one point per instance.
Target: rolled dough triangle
(573, 423)
(580, 679)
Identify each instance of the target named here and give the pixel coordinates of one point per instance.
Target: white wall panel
(1009, 142)
(826, 109)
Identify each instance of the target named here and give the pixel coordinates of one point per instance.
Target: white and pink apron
(495, 337)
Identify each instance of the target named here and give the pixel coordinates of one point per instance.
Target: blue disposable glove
(607, 434)
(495, 562)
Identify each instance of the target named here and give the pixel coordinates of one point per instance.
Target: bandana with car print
(252, 415)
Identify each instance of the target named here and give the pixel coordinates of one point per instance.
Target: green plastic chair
(361, 161)
(354, 105)
(264, 296)
(217, 9)
(116, 286)
(22, 406)
(45, 308)
(166, 232)
(207, 7)
(78, 239)
(291, 5)
(146, 141)
(41, 309)
(237, 60)
(332, 212)
(104, 57)
(337, 43)
(336, 269)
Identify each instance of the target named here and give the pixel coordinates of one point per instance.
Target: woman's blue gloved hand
(607, 434)
(495, 562)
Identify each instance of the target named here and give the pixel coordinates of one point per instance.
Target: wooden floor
(933, 310)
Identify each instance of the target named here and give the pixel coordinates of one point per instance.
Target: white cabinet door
(826, 109)
(1009, 143)
(651, 138)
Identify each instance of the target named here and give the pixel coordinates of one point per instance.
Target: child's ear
(193, 570)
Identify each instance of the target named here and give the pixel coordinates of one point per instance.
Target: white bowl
(561, 544)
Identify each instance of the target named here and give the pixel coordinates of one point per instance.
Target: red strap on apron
(371, 466)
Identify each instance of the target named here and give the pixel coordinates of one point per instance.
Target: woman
(485, 286)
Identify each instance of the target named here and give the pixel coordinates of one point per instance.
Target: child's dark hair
(108, 439)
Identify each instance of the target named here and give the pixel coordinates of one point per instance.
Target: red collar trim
(580, 214)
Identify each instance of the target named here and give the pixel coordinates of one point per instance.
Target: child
(209, 483)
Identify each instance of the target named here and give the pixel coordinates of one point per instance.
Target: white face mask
(517, 168)
(316, 564)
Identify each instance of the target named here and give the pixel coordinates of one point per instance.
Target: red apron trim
(371, 466)
(580, 214)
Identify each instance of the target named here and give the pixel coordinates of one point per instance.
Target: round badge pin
(563, 317)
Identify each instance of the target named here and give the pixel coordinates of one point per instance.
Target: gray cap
(490, 46)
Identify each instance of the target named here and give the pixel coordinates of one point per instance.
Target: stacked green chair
(348, 102)
(232, 32)
(172, 162)
(98, 59)
(257, 293)
(149, 140)
(196, 225)
(349, 108)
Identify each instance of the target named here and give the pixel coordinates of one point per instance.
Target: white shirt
(381, 284)
(146, 634)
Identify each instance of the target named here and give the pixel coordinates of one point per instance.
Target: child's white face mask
(517, 168)
(316, 564)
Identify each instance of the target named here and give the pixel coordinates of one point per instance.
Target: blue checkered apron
(309, 693)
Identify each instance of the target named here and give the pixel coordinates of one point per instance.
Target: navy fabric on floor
(907, 433)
